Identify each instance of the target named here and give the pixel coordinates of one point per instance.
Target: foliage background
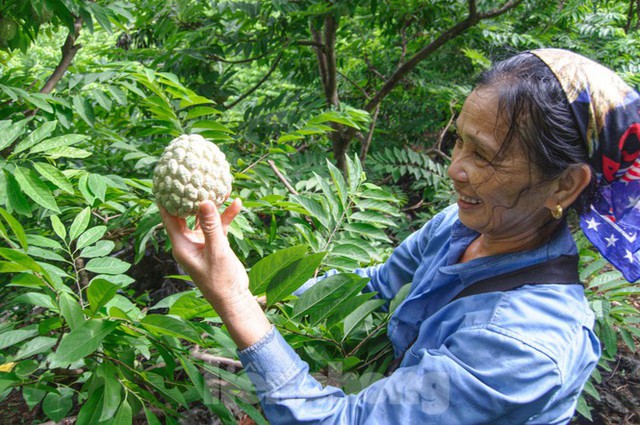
(335, 117)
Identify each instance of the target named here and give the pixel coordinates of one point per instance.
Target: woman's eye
(479, 156)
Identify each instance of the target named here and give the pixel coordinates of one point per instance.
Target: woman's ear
(569, 186)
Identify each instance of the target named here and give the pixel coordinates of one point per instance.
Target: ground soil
(619, 391)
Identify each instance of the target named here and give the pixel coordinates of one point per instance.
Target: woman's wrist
(244, 319)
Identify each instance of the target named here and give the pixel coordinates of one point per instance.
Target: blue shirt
(515, 357)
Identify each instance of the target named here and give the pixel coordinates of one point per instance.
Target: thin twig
(221, 59)
(367, 142)
(365, 339)
(282, 178)
(259, 83)
(254, 163)
(215, 360)
(354, 84)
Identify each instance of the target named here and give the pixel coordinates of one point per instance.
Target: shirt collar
(561, 243)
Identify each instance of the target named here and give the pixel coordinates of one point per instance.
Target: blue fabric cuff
(271, 362)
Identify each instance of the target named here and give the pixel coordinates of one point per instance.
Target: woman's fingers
(210, 224)
(230, 213)
(174, 226)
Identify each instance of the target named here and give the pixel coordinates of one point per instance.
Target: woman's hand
(205, 254)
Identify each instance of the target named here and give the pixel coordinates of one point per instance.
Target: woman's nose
(457, 170)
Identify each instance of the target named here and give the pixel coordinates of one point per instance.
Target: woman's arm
(479, 377)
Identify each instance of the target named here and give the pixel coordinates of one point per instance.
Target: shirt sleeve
(476, 377)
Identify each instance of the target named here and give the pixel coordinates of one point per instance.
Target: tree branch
(320, 55)
(69, 50)
(364, 149)
(353, 83)
(282, 178)
(221, 59)
(451, 33)
(331, 89)
(312, 43)
(215, 360)
(259, 83)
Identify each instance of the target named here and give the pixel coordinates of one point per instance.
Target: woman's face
(502, 198)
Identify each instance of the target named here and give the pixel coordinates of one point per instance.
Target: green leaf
(368, 230)
(100, 249)
(124, 415)
(352, 251)
(71, 310)
(92, 408)
(583, 408)
(13, 337)
(343, 308)
(107, 265)
(35, 136)
(57, 406)
(10, 134)
(37, 345)
(16, 198)
(359, 314)
(83, 108)
(601, 308)
(399, 298)
(26, 368)
(20, 258)
(609, 338)
(151, 418)
(44, 242)
(159, 324)
(32, 395)
(100, 292)
(341, 185)
(330, 197)
(35, 189)
(112, 390)
(101, 14)
(16, 227)
(373, 217)
(80, 223)
(628, 339)
(292, 277)
(90, 236)
(57, 142)
(201, 111)
(354, 173)
(58, 227)
(194, 100)
(326, 296)
(190, 306)
(67, 152)
(82, 341)
(97, 185)
(314, 209)
(203, 390)
(264, 270)
(46, 254)
(54, 175)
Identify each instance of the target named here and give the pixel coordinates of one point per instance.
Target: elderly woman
(543, 132)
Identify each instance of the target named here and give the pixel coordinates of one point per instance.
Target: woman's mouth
(468, 199)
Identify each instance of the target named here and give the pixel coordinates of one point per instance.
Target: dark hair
(539, 117)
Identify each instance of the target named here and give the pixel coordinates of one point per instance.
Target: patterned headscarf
(607, 111)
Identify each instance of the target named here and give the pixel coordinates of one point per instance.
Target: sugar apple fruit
(191, 170)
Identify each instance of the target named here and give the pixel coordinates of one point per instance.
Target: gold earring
(557, 213)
